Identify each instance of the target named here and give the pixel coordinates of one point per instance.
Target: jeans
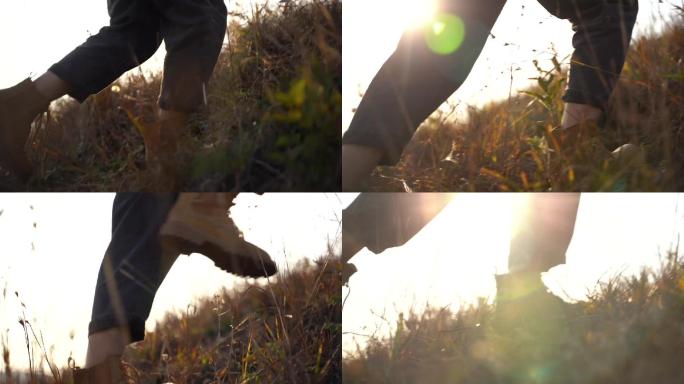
(134, 265)
(193, 31)
(385, 220)
(546, 223)
(416, 79)
(545, 228)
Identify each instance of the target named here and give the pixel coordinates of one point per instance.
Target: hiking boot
(522, 301)
(19, 106)
(107, 372)
(580, 144)
(200, 223)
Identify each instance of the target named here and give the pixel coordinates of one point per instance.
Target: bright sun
(414, 13)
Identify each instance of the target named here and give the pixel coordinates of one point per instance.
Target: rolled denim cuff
(388, 142)
(136, 326)
(583, 97)
(77, 90)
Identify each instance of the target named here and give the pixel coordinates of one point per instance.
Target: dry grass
(272, 123)
(505, 146)
(286, 331)
(628, 331)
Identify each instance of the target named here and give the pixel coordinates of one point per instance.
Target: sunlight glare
(438, 27)
(446, 35)
(417, 13)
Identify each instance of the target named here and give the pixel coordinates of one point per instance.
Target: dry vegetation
(629, 330)
(272, 123)
(286, 331)
(506, 146)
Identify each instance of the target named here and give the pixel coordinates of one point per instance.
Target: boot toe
(251, 261)
(261, 265)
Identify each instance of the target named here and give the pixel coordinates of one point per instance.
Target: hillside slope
(505, 146)
(288, 330)
(629, 330)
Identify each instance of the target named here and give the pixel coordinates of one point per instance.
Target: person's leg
(543, 231)
(133, 268)
(193, 32)
(130, 39)
(575, 114)
(539, 241)
(140, 255)
(379, 221)
(161, 147)
(358, 162)
(106, 344)
(541, 236)
(603, 30)
(51, 86)
(428, 66)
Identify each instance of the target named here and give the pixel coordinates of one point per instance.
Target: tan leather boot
(107, 372)
(19, 106)
(200, 223)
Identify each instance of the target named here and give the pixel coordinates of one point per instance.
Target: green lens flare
(445, 34)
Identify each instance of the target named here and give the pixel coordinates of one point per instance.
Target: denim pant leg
(415, 80)
(131, 38)
(546, 222)
(193, 34)
(134, 266)
(539, 242)
(384, 220)
(603, 30)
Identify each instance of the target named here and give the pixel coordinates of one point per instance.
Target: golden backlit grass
(272, 121)
(629, 330)
(505, 146)
(287, 330)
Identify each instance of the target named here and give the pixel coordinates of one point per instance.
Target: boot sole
(258, 266)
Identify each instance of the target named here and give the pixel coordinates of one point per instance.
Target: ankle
(105, 345)
(358, 163)
(576, 114)
(51, 87)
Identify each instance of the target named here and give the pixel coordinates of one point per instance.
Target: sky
(53, 266)
(34, 34)
(372, 29)
(453, 260)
